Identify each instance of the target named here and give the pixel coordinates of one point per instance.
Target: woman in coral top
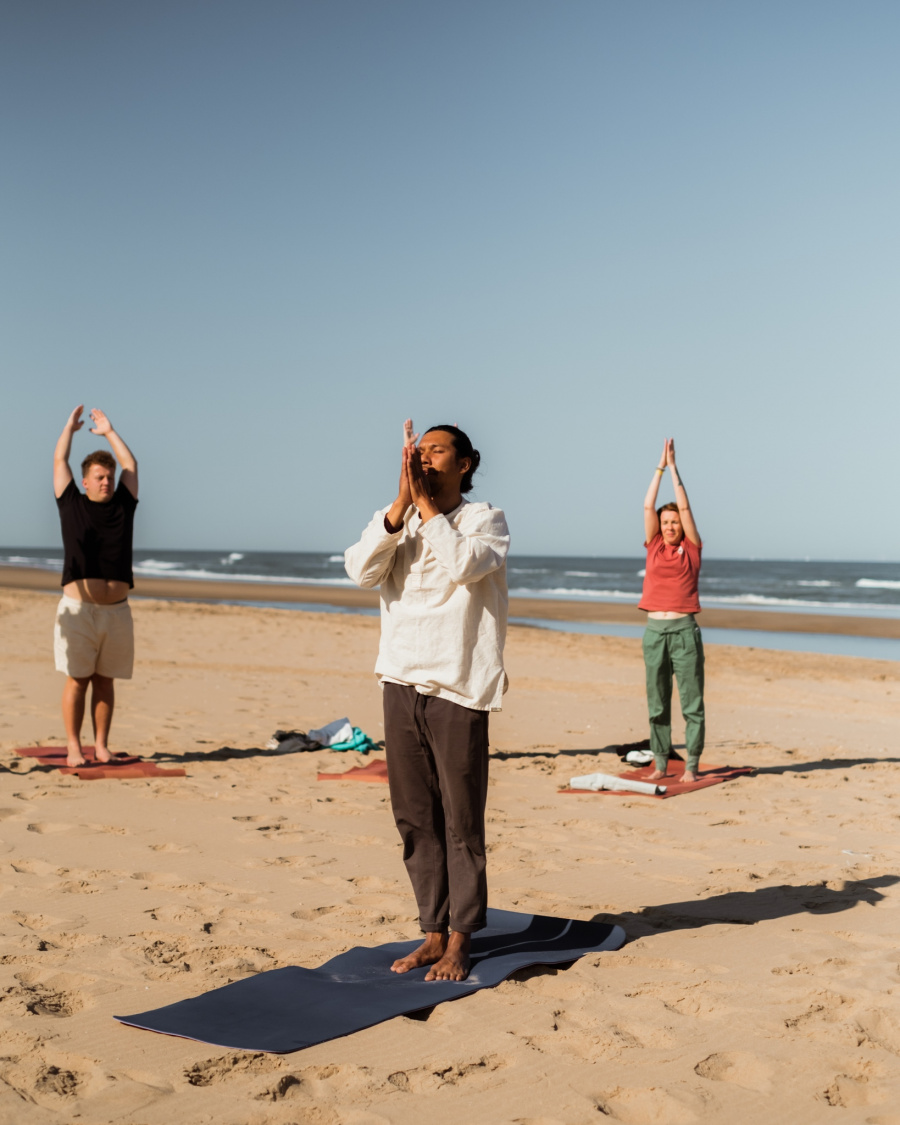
(672, 642)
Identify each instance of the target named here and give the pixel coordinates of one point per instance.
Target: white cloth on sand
(615, 784)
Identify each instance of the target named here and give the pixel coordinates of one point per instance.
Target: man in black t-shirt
(94, 635)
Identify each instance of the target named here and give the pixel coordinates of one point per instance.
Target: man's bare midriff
(98, 591)
(665, 614)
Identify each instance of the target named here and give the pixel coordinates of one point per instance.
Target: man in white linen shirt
(440, 562)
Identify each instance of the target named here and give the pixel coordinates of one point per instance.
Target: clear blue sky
(259, 234)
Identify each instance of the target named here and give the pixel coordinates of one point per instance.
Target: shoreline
(549, 609)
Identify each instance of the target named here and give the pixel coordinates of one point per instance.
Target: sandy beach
(759, 983)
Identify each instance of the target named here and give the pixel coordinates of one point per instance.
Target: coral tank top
(670, 580)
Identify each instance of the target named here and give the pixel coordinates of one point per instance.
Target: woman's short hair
(670, 507)
(464, 448)
(100, 457)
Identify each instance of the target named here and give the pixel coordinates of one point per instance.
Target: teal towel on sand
(359, 741)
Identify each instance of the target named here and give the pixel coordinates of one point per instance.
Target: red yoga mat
(122, 767)
(709, 775)
(374, 771)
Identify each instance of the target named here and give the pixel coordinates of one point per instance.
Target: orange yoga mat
(122, 767)
(374, 771)
(709, 775)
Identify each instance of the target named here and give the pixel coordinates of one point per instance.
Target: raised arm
(651, 519)
(400, 506)
(370, 561)
(62, 474)
(681, 496)
(127, 462)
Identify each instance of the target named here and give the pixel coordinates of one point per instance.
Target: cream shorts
(90, 638)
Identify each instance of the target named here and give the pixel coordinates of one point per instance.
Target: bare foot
(101, 754)
(455, 963)
(657, 774)
(690, 775)
(430, 951)
(74, 756)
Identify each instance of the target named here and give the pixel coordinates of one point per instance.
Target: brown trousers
(437, 759)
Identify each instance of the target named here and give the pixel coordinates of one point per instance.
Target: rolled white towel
(614, 784)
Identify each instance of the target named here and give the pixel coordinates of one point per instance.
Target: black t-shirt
(97, 536)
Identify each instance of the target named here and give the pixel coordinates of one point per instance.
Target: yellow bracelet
(659, 470)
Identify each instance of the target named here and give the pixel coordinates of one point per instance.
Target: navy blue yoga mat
(287, 1009)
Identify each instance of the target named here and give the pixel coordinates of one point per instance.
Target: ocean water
(870, 589)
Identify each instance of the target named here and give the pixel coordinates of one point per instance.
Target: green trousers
(674, 647)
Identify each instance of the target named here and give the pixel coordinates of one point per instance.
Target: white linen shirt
(443, 601)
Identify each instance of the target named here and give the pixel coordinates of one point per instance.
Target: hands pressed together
(413, 482)
(668, 454)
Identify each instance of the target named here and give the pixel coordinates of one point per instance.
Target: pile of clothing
(337, 735)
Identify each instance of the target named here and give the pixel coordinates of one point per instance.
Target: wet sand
(549, 609)
(759, 983)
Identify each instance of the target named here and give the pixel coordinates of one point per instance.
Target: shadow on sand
(615, 748)
(231, 753)
(824, 764)
(746, 908)
(738, 908)
(223, 754)
(618, 748)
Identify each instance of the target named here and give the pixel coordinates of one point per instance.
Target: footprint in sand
(81, 886)
(232, 921)
(171, 955)
(697, 1000)
(882, 1029)
(69, 942)
(316, 1084)
(42, 999)
(313, 913)
(750, 1072)
(43, 922)
(35, 867)
(849, 1091)
(478, 1073)
(819, 1019)
(282, 861)
(211, 1071)
(180, 915)
(651, 1106)
(166, 880)
(61, 1083)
